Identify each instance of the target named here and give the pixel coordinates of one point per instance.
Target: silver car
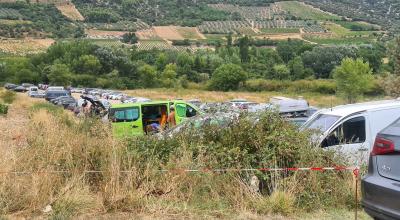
(381, 186)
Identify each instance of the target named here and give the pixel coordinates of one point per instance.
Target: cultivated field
(69, 10)
(148, 34)
(306, 12)
(191, 33)
(168, 33)
(100, 34)
(24, 46)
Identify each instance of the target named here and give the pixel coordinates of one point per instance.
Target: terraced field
(24, 46)
(8, 13)
(306, 12)
(69, 10)
(274, 11)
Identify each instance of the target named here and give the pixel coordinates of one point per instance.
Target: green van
(136, 118)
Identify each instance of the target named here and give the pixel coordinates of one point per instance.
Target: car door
(183, 111)
(126, 121)
(349, 138)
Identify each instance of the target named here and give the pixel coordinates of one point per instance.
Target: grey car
(381, 186)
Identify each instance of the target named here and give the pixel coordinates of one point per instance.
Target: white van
(351, 129)
(55, 88)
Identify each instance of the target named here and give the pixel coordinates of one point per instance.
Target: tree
(373, 55)
(228, 77)
(353, 78)
(244, 43)
(297, 70)
(281, 72)
(129, 38)
(148, 76)
(322, 60)
(168, 76)
(395, 56)
(59, 74)
(88, 64)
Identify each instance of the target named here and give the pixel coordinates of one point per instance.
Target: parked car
(20, 89)
(27, 85)
(381, 186)
(76, 90)
(10, 86)
(34, 92)
(67, 101)
(239, 102)
(52, 94)
(351, 129)
(55, 88)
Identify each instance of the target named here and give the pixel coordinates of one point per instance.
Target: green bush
(3, 109)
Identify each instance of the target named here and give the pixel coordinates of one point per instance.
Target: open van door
(350, 139)
(126, 121)
(183, 111)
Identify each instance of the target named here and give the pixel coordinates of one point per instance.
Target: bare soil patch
(168, 32)
(69, 10)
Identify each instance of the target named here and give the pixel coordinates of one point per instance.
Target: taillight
(382, 146)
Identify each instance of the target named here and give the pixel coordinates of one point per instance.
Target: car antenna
(331, 103)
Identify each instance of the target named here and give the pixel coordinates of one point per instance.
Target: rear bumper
(381, 197)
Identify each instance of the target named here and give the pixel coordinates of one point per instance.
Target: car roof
(126, 105)
(344, 110)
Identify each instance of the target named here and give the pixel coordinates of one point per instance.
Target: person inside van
(164, 117)
(171, 117)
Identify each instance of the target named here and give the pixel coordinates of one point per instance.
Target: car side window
(190, 111)
(125, 115)
(180, 110)
(351, 131)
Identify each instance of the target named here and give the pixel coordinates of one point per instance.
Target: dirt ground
(101, 33)
(167, 32)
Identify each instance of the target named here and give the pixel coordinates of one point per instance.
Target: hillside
(196, 24)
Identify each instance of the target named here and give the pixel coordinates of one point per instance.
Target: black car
(381, 186)
(55, 94)
(10, 86)
(20, 89)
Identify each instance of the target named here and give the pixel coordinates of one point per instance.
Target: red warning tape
(204, 170)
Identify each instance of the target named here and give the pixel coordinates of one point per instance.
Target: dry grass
(214, 96)
(24, 46)
(55, 140)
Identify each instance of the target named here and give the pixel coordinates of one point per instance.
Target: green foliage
(228, 77)
(157, 12)
(45, 18)
(129, 38)
(353, 78)
(297, 70)
(300, 86)
(322, 60)
(59, 74)
(148, 75)
(3, 109)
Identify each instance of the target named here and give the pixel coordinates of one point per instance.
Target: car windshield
(322, 122)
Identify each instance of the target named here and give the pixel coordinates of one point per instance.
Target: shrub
(3, 109)
(61, 142)
(300, 86)
(228, 77)
(8, 96)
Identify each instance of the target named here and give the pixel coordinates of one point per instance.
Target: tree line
(228, 67)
